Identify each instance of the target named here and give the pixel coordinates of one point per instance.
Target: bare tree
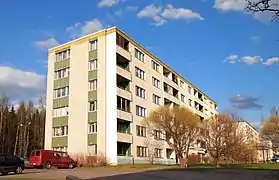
(218, 134)
(270, 130)
(263, 6)
(274, 111)
(179, 127)
(154, 144)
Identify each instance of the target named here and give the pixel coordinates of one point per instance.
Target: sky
(230, 54)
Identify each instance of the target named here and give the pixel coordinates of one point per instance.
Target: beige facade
(99, 89)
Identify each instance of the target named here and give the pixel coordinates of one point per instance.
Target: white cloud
(46, 44)
(180, 13)
(127, 9)
(107, 3)
(271, 61)
(84, 28)
(251, 59)
(239, 6)
(161, 15)
(255, 38)
(232, 59)
(19, 84)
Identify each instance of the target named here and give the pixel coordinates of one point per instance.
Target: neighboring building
(264, 147)
(100, 87)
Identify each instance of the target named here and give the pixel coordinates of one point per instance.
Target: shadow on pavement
(195, 174)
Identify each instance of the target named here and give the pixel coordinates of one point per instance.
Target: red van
(49, 158)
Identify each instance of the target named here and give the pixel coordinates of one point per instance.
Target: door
(56, 159)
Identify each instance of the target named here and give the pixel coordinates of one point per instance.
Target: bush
(90, 161)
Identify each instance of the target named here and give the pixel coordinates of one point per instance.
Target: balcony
(124, 93)
(123, 137)
(124, 115)
(123, 73)
(123, 53)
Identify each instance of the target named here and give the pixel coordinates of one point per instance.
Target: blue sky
(229, 54)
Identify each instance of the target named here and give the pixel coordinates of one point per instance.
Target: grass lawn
(141, 166)
(262, 166)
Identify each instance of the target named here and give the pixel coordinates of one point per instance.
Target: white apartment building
(101, 86)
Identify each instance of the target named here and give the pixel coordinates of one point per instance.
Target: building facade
(101, 86)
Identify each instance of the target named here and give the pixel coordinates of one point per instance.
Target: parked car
(49, 158)
(275, 158)
(11, 163)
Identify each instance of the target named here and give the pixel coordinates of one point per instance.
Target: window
(182, 84)
(141, 151)
(156, 99)
(11, 158)
(60, 131)
(62, 73)
(155, 66)
(122, 42)
(63, 55)
(141, 131)
(139, 55)
(140, 111)
(92, 149)
(156, 82)
(93, 45)
(93, 85)
(140, 73)
(60, 112)
(123, 104)
(93, 106)
(158, 135)
(140, 92)
(158, 153)
(93, 64)
(182, 98)
(61, 92)
(190, 102)
(190, 89)
(62, 148)
(92, 128)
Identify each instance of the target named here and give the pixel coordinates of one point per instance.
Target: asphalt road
(198, 174)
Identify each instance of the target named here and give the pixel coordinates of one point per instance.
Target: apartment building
(101, 86)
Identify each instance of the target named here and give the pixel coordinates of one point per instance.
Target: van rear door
(35, 158)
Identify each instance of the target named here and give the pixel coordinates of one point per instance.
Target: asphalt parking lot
(170, 174)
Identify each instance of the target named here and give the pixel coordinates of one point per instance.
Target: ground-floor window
(92, 150)
(158, 153)
(62, 148)
(141, 151)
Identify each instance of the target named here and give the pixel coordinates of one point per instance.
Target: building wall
(107, 113)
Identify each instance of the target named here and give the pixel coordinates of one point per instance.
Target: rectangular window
(158, 135)
(93, 64)
(158, 153)
(182, 84)
(190, 89)
(155, 66)
(93, 45)
(93, 106)
(62, 148)
(156, 99)
(140, 92)
(182, 98)
(141, 131)
(92, 149)
(190, 102)
(60, 112)
(62, 73)
(140, 111)
(61, 92)
(92, 128)
(123, 104)
(93, 85)
(139, 55)
(156, 83)
(140, 73)
(63, 55)
(141, 151)
(60, 131)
